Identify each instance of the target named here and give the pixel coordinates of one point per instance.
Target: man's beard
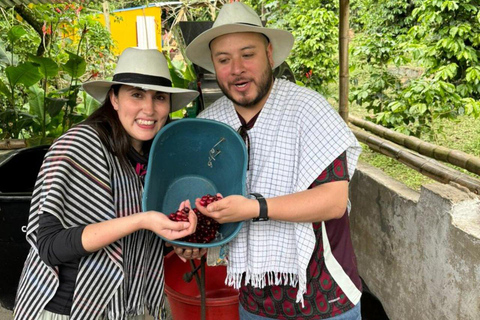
(264, 86)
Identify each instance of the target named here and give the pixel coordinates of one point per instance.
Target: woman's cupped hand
(160, 223)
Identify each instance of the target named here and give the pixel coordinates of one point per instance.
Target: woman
(93, 254)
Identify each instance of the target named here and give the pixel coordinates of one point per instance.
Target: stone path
(5, 314)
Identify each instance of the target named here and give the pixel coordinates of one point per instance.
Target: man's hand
(230, 209)
(187, 253)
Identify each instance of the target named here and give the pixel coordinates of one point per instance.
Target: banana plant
(13, 117)
(75, 67)
(54, 111)
(182, 76)
(26, 73)
(48, 69)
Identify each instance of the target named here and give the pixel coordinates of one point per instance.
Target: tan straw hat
(143, 68)
(234, 18)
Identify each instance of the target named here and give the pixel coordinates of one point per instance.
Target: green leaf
(25, 120)
(90, 105)
(75, 66)
(35, 101)
(177, 78)
(4, 89)
(448, 87)
(55, 105)
(4, 59)
(453, 31)
(422, 108)
(75, 118)
(396, 106)
(26, 73)
(473, 75)
(447, 72)
(15, 33)
(47, 67)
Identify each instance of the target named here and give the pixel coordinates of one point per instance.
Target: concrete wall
(418, 252)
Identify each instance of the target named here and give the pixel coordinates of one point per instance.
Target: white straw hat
(146, 69)
(234, 18)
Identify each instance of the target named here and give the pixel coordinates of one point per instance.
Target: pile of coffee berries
(180, 215)
(207, 228)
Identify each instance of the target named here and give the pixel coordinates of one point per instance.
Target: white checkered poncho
(295, 137)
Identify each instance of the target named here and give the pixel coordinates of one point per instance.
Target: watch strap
(263, 215)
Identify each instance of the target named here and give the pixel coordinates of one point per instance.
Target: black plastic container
(18, 173)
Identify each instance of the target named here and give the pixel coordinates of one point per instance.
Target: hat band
(142, 79)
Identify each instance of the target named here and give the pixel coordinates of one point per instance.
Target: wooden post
(343, 53)
(106, 15)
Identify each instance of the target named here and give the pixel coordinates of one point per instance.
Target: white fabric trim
(337, 272)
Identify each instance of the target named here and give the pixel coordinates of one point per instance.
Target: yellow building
(135, 27)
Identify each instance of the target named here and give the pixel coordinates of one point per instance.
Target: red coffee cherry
(207, 227)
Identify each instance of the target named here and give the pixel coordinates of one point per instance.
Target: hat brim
(99, 89)
(198, 51)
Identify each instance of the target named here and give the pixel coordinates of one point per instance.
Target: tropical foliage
(314, 24)
(421, 62)
(412, 62)
(46, 51)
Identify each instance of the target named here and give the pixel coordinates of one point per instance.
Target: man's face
(243, 64)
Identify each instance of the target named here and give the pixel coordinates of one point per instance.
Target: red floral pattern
(324, 298)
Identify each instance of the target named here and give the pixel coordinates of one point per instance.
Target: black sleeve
(57, 245)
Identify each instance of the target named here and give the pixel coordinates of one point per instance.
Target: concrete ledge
(419, 252)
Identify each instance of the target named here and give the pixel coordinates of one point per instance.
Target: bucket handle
(214, 153)
(200, 283)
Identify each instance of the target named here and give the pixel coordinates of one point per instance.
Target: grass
(462, 134)
(394, 169)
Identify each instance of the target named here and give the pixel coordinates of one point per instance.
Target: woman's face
(141, 112)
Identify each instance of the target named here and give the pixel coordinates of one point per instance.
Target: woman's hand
(230, 209)
(98, 235)
(168, 229)
(185, 253)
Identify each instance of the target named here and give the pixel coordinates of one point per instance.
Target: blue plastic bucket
(190, 158)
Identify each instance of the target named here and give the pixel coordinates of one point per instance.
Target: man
(293, 258)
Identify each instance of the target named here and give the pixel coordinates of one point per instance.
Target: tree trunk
(27, 15)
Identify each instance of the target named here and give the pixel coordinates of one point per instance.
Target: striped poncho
(81, 183)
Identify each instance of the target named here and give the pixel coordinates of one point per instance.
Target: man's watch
(263, 215)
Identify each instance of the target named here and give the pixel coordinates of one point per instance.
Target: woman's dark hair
(111, 131)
